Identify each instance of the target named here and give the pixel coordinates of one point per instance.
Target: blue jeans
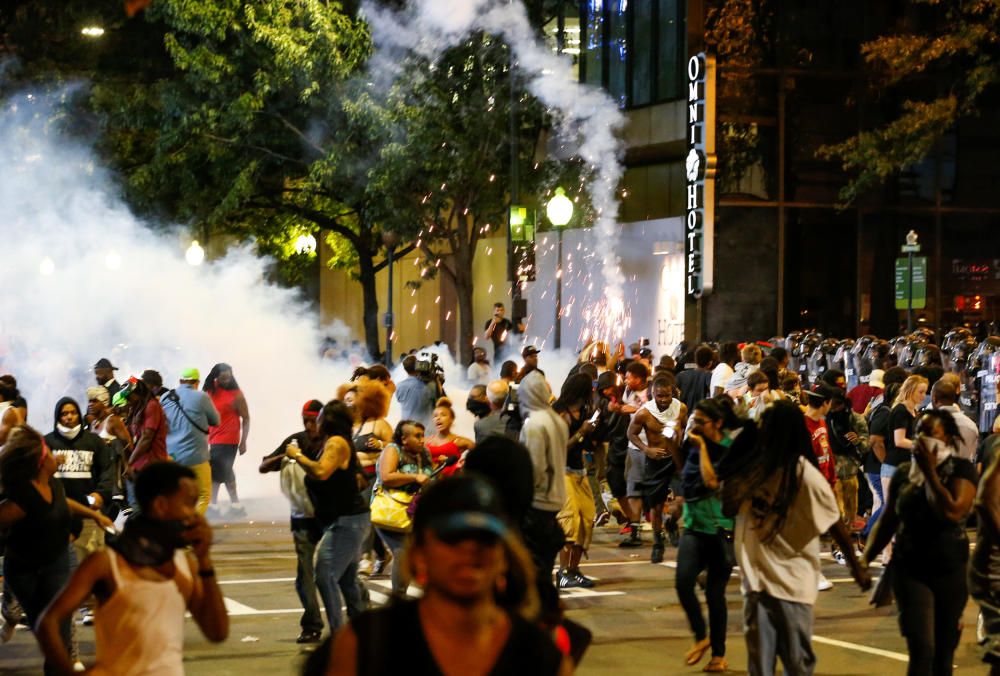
(396, 543)
(307, 533)
(878, 502)
(337, 567)
(36, 587)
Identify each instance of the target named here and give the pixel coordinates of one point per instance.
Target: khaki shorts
(577, 514)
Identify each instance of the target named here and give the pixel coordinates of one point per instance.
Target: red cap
(311, 408)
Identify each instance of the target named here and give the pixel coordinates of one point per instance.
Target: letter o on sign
(694, 68)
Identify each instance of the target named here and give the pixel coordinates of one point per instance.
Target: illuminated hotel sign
(699, 166)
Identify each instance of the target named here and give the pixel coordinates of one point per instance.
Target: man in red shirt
(818, 403)
(227, 438)
(148, 426)
(862, 394)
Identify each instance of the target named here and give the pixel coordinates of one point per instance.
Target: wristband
(210, 572)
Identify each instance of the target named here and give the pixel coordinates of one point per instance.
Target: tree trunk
(366, 268)
(464, 288)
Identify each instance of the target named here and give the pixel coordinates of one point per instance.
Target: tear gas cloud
(588, 120)
(82, 278)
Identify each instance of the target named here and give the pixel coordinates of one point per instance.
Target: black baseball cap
(461, 507)
(820, 393)
(529, 350)
(104, 363)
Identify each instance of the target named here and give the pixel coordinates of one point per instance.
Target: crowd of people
(728, 454)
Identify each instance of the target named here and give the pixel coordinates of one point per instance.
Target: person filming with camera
(418, 392)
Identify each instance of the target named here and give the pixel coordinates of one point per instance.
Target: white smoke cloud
(589, 120)
(82, 278)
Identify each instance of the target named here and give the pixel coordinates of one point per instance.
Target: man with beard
(104, 374)
(229, 437)
(478, 372)
(86, 472)
(478, 404)
(656, 431)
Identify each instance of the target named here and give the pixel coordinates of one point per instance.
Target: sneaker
(379, 566)
(626, 529)
(602, 519)
(824, 584)
(839, 557)
(659, 545)
(78, 667)
(213, 513)
(564, 580)
(309, 636)
(632, 539)
(584, 581)
(7, 630)
(237, 511)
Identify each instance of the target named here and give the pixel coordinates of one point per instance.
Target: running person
(229, 437)
(655, 431)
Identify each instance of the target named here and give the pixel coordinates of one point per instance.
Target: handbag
(389, 509)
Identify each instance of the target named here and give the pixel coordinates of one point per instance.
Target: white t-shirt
(720, 376)
(787, 567)
(478, 374)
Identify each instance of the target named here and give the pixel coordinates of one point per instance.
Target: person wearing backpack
(190, 412)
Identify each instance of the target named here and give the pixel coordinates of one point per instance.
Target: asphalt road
(638, 625)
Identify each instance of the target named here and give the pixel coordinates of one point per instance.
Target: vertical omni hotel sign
(699, 166)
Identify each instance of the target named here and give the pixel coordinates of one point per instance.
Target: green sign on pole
(919, 282)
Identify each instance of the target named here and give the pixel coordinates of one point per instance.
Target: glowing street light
(113, 261)
(92, 31)
(47, 266)
(194, 255)
(560, 211)
(305, 244)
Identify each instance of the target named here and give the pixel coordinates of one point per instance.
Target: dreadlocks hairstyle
(137, 409)
(782, 440)
(210, 379)
(577, 388)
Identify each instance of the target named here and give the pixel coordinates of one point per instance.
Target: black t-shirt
(899, 419)
(501, 332)
(926, 541)
(694, 384)
(391, 641)
(302, 439)
(878, 423)
(43, 534)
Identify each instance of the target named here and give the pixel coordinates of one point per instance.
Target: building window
(633, 49)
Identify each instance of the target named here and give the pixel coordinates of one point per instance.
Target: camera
(428, 369)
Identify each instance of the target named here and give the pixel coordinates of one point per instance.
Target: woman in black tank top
(332, 482)
(479, 608)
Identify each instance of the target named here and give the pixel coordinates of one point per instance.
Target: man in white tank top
(146, 583)
(656, 430)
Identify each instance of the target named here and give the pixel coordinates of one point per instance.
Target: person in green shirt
(706, 544)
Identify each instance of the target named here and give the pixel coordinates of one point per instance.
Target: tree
(945, 54)
(451, 163)
(263, 129)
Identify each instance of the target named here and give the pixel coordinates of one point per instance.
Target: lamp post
(559, 210)
(390, 239)
(194, 255)
(911, 247)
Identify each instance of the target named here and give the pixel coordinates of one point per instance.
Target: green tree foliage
(946, 56)
(450, 161)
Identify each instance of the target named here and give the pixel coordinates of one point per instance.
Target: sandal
(717, 665)
(697, 651)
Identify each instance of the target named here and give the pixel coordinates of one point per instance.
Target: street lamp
(92, 31)
(390, 239)
(560, 211)
(305, 244)
(194, 255)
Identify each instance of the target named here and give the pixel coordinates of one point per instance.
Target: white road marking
(899, 657)
(261, 580)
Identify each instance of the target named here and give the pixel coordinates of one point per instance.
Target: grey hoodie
(545, 435)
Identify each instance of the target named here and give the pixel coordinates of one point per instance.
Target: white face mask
(69, 432)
